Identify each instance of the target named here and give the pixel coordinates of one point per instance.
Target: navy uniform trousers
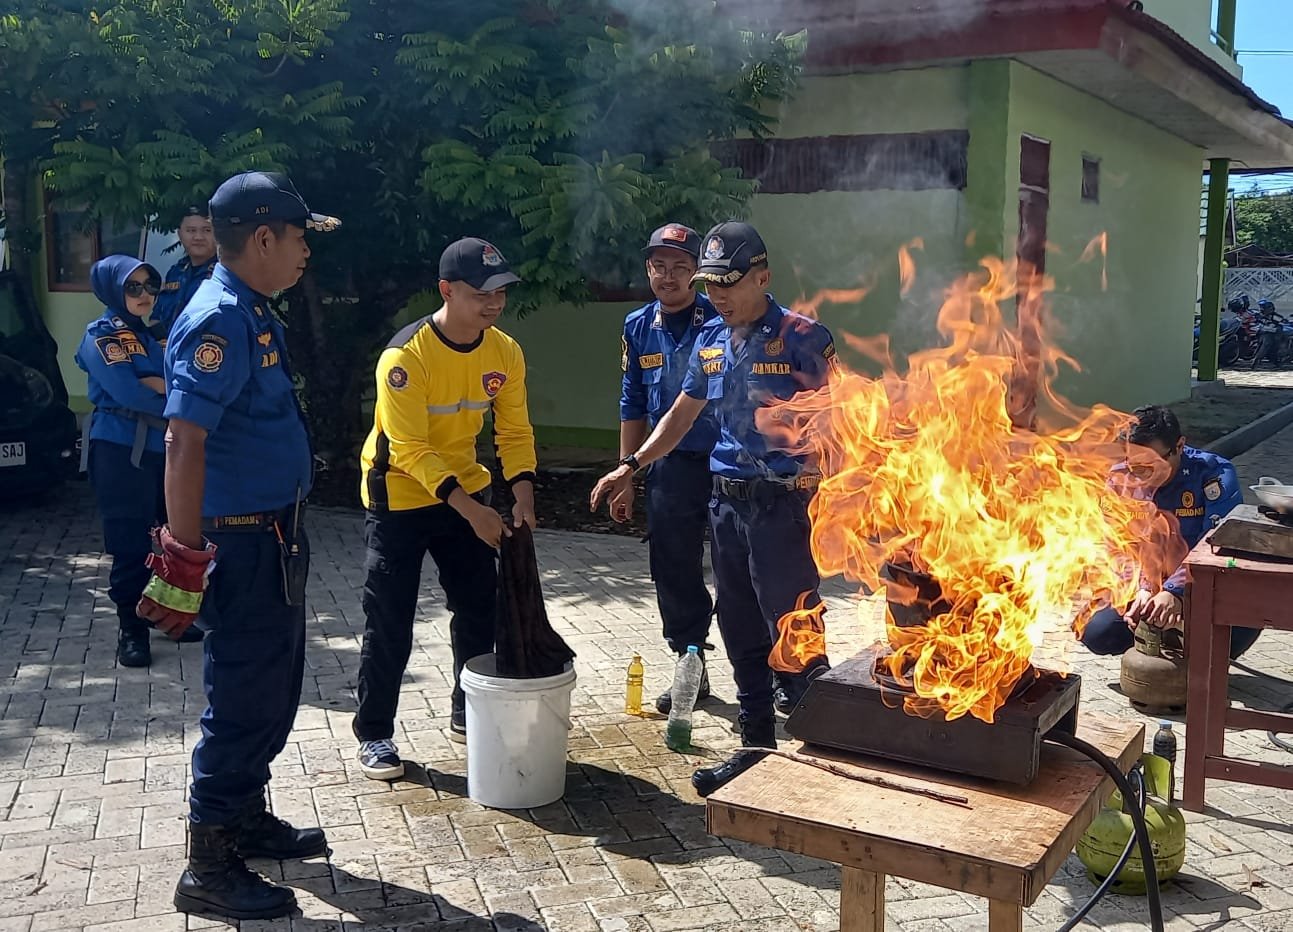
(253, 661)
(1107, 633)
(762, 564)
(131, 503)
(396, 543)
(678, 490)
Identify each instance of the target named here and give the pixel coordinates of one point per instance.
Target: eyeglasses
(673, 271)
(135, 289)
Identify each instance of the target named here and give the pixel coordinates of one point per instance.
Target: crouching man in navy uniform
(657, 346)
(238, 468)
(754, 353)
(1201, 488)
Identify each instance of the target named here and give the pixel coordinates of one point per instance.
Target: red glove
(173, 596)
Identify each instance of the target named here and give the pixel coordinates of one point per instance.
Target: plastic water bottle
(686, 684)
(1165, 747)
(633, 687)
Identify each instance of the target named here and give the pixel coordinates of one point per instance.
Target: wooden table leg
(1198, 649)
(1004, 916)
(861, 900)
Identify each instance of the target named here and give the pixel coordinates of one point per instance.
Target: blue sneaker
(379, 760)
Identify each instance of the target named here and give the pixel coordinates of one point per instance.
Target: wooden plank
(861, 900)
(1278, 722)
(1005, 917)
(1006, 845)
(1198, 651)
(1279, 776)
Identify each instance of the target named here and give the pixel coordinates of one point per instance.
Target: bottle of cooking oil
(633, 687)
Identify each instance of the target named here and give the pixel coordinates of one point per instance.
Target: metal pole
(1213, 256)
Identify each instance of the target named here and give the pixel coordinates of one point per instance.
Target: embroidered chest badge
(493, 381)
(774, 347)
(1212, 490)
(1187, 499)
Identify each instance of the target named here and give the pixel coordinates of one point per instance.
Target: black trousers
(131, 504)
(252, 664)
(678, 490)
(396, 542)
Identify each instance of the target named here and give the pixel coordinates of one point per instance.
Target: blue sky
(1263, 27)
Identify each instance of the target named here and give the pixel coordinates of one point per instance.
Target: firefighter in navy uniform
(425, 492)
(184, 277)
(1199, 489)
(122, 446)
(238, 467)
(657, 344)
(755, 352)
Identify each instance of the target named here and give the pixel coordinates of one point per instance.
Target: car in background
(38, 434)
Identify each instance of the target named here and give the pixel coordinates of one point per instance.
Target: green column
(988, 157)
(1226, 25)
(1213, 256)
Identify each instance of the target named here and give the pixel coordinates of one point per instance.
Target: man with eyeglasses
(238, 469)
(655, 352)
(1198, 489)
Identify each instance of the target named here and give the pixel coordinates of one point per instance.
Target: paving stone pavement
(94, 766)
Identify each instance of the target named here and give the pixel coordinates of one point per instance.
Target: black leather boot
(217, 881)
(664, 701)
(192, 635)
(760, 734)
(261, 834)
(132, 640)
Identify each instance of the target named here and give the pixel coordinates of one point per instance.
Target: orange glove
(173, 596)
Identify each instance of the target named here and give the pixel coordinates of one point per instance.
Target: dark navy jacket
(655, 365)
(181, 285)
(227, 371)
(1204, 490)
(784, 353)
(116, 352)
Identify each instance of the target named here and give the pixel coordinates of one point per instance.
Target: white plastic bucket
(518, 731)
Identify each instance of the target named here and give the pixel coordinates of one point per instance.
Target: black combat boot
(192, 635)
(664, 702)
(261, 834)
(754, 734)
(132, 639)
(218, 882)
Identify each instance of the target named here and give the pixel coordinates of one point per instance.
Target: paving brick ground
(94, 765)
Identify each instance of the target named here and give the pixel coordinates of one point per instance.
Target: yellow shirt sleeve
(401, 410)
(512, 430)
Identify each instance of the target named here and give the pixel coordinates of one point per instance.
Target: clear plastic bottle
(633, 687)
(1165, 747)
(686, 684)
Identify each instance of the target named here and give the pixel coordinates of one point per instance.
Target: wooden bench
(1005, 844)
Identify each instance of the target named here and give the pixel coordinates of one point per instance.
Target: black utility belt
(254, 521)
(746, 489)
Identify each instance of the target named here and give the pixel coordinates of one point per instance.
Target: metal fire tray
(848, 709)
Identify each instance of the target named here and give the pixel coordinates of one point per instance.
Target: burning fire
(967, 468)
(801, 639)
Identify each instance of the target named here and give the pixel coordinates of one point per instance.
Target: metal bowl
(1274, 494)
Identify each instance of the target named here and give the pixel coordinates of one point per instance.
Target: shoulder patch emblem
(397, 378)
(774, 347)
(493, 381)
(1212, 490)
(208, 357)
(111, 350)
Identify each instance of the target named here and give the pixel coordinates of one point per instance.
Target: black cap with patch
(675, 236)
(265, 197)
(728, 252)
(478, 263)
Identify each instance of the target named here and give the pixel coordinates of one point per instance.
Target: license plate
(13, 454)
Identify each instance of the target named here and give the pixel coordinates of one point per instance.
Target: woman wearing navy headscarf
(124, 443)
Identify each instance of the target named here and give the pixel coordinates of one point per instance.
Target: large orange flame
(968, 469)
(801, 637)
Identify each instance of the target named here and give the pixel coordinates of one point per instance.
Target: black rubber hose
(1271, 736)
(1137, 819)
(1142, 800)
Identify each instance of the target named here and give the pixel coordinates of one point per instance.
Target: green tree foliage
(1265, 220)
(563, 130)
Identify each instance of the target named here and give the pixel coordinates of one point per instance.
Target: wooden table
(1228, 592)
(1005, 845)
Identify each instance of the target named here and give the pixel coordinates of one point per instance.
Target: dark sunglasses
(135, 289)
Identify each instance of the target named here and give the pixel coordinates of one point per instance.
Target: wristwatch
(631, 461)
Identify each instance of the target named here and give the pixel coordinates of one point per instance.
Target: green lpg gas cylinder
(1100, 846)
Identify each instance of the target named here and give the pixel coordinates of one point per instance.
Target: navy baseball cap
(675, 236)
(728, 252)
(478, 263)
(265, 197)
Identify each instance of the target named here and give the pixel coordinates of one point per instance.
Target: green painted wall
(1134, 338)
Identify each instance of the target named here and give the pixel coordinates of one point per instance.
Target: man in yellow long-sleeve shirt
(424, 491)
